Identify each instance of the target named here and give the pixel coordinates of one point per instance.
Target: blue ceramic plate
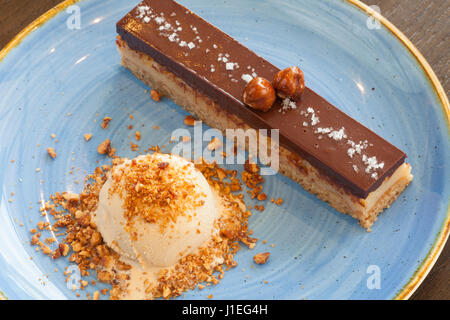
(61, 80)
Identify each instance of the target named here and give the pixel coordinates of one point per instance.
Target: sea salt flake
(246, 77)
(229, 66)
(323, 130)
(372, 163)
(314, 119)
(351, 152)
(172, 37)
(159, 20)
(337, 134)
(288, 104)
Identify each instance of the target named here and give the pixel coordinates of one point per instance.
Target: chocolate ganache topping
(219, 67)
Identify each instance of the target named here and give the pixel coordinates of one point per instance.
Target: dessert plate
(62, 76)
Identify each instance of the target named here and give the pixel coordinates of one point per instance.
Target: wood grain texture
(424, 22)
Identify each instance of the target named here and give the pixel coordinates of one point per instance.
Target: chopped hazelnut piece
(35, 239)
(251, 167)
(105, 122)
(64, 248)
(214, 144)
(156, 96)
(87, 136)
(44, 248)
(71, 197)
(163, 165)
(261, 258)
(104, 147)
(138, 135)
(104, 276)
(41, 225)
(96, 239)
(189, 121)
(278, 202)
(51, 152)
(261, 197)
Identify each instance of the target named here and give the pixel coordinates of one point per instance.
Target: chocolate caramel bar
(205, 71)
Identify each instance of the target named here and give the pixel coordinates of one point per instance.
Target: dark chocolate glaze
(146, 31)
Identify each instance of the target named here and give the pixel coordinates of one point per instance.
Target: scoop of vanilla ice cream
(152, 245)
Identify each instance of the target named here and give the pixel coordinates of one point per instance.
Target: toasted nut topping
(64, 248)
(259, 94)
(214, 144)
(251, 167)
(104, 147)
(51, 152)
(163, 165)
(261, 258)
(87, 136)
(35, 239)
(105, 122)
(189, 121)
(71, 197)
(56, 254)
(156, 96)
(91, 253)
(289, 83)
(104, 276)
(278, 202)
(261, 197)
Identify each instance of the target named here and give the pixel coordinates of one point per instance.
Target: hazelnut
(259, 94)
(289, 83)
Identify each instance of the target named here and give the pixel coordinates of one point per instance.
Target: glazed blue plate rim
(443, 233)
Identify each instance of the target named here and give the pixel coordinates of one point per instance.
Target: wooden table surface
(424, 22)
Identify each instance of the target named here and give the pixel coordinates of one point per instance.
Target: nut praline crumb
(261, 258)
